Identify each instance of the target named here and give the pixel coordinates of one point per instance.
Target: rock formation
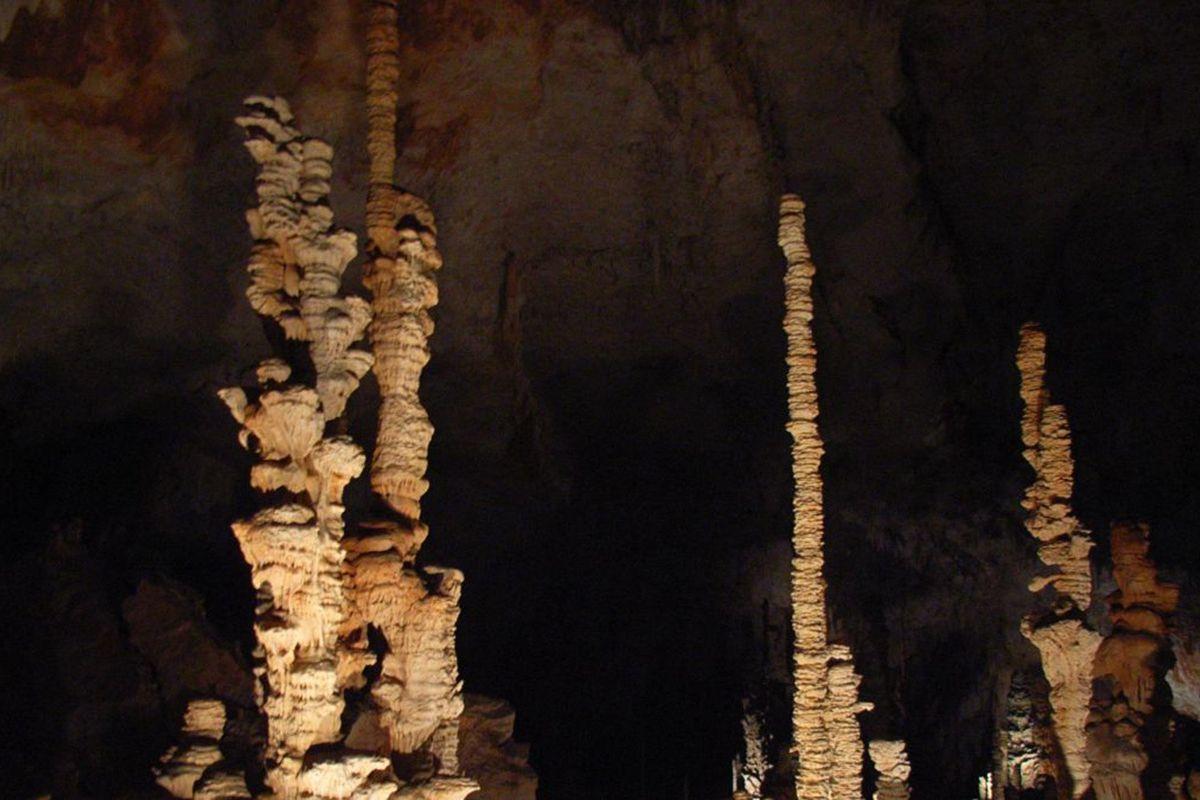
(1129, 667)
(891, 762)
(417, 696)
(183, 766)
(826, 739)
(489, 754)
(1067, 645)
(1026, 748)
(753, 765)
(311, 645)
(1184, 676)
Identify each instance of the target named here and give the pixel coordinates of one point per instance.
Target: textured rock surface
(198, 748)
(891, 762)
(606, 175)
(414, 609)
(825, 734)
(489, 754)
(311, 644)
(1129, 668)
(1064, 638)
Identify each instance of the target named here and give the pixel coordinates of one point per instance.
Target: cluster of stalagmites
(1101, 689)
(1130, 666)
(318, 587)
(1062, 636)
(826, 738)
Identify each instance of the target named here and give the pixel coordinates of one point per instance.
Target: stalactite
(891, 762)
(417, 695)
(311, 646)
(1067, 645)
(1129, 666)
(826, 739)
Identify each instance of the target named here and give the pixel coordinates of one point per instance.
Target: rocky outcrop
(1062, 636)
(826, 739)
(1130, 666)
(891, 762)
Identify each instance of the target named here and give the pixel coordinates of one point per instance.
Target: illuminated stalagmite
(891, 762)
(1066, 644)
(418, 695)
(1129, 666)
(311, 646)
(1026, 748)
(826, 738)
(198, 749)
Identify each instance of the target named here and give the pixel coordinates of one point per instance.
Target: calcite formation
(1129, 666)
(826, 738)
(311, 644)
(1026, 748)
(198, 749)
(753, 765)
(1066, 643)
(417, 695)
(891, 762)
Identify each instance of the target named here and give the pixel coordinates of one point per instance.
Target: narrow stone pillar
(417, 695)
(826, 738)
(1066, 643)
(891, 762)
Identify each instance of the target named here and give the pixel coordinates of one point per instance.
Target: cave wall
(610, 466)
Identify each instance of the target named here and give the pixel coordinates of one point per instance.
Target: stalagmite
(311, 646)
(1026, 748)
(891, 762)
(827, 743)
(198, 748)
(753, 766)
(417, 696)
(1066, 644)
(1129, 666)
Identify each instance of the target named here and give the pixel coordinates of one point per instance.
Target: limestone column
(826, 739)
(418, 695)
(1129, 666)
(1066, 643)
(310, 644)
(891, 762)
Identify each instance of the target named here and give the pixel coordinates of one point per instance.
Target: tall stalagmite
(1067, 645)
(311, 647)
(1130, 666)
(891, 762)
(826, 738)
(417, 696)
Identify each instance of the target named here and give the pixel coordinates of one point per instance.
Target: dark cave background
(610, 467)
